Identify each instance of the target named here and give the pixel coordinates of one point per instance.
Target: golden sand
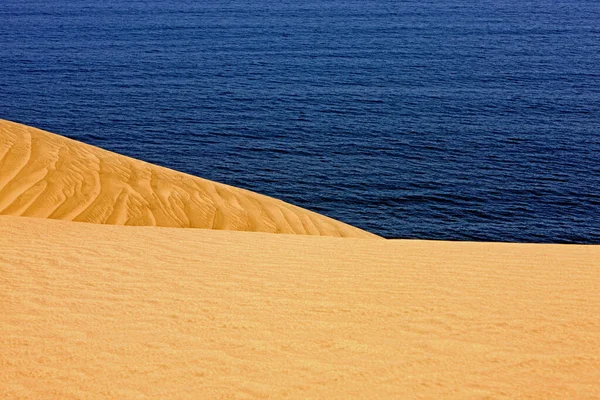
(93, 311)
(49, 176)
(96, 311)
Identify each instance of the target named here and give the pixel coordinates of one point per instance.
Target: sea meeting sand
(50, 176)
(93, 310)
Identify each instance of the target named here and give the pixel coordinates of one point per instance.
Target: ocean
(450, 120)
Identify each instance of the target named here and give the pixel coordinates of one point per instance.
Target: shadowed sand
(50, 176)
(98, 311)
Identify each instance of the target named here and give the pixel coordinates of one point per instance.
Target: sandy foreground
(97, 311)
(100, 310)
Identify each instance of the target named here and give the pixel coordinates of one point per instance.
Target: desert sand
(50, 176)
(101, 311)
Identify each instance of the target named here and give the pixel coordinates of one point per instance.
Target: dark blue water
(457, 119)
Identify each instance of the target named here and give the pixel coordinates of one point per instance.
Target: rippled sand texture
(50, 176)
(96, 311)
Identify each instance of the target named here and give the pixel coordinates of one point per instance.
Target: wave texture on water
(463, 121)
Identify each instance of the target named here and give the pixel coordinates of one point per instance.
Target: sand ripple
(49, 176)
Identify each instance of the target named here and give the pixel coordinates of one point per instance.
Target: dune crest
(49, 176)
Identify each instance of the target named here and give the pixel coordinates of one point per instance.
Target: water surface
(462, 120)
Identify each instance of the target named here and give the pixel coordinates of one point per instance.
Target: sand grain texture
(98, 311)
(49, 176)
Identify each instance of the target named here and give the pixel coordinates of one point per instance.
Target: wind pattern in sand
(49, 176)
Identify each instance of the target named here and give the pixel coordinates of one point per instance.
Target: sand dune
(98, 311)
(49, 176)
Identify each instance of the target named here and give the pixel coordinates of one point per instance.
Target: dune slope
(99, 311)
(49, 176)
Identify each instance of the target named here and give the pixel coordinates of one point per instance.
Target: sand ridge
(98, 311)
(49, 176)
